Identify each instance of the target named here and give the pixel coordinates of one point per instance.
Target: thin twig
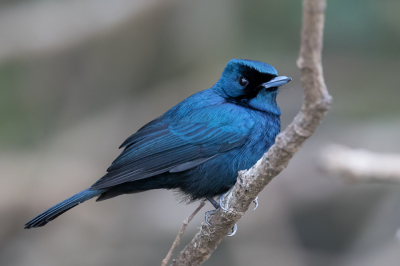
(250, 183)
(178, 237)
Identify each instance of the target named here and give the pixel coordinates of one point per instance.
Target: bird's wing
(160, 147)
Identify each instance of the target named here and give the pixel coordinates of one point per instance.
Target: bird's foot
(221, 199)
(255, 202)
(208, 215)
(234, 230)
(211, 213)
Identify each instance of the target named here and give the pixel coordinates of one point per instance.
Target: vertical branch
(250, 183)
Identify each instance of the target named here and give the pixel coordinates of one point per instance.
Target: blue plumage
(62, 207)
(199, 145)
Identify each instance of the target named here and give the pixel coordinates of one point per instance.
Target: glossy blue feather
(199, 145)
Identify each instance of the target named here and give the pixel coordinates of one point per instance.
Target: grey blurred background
(79, 76)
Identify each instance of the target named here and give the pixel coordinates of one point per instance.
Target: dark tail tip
(46, 217)
(55, 211)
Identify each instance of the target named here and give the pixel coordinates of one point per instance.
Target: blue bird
(198, 146)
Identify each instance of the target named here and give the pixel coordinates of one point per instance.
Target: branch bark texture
(251, 182)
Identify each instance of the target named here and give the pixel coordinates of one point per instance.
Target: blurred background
(77, 77)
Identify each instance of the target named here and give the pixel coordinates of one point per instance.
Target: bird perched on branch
(198, 146)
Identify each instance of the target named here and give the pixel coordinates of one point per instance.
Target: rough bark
(251, 182)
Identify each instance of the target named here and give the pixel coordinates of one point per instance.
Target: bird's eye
(243, 81)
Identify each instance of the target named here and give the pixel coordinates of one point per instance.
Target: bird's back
(218, 175)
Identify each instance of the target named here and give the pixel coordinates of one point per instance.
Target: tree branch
(250, 183)
(361, 165)
(178, 237)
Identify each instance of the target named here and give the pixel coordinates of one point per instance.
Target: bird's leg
(217, 206)
(214, 203)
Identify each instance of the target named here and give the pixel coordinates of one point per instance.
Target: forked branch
(251, 182)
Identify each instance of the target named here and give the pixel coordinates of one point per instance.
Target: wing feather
(160, 147)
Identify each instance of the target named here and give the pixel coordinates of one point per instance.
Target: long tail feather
(62, 207)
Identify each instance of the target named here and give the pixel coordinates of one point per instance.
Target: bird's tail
(62, 207)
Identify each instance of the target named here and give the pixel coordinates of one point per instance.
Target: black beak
(276, 82)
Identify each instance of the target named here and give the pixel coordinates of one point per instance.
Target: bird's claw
(208, 215)
(255, 202)
(207, 218)
(234, 230)
(220, 203)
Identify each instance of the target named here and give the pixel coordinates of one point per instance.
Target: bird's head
(251, 83)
